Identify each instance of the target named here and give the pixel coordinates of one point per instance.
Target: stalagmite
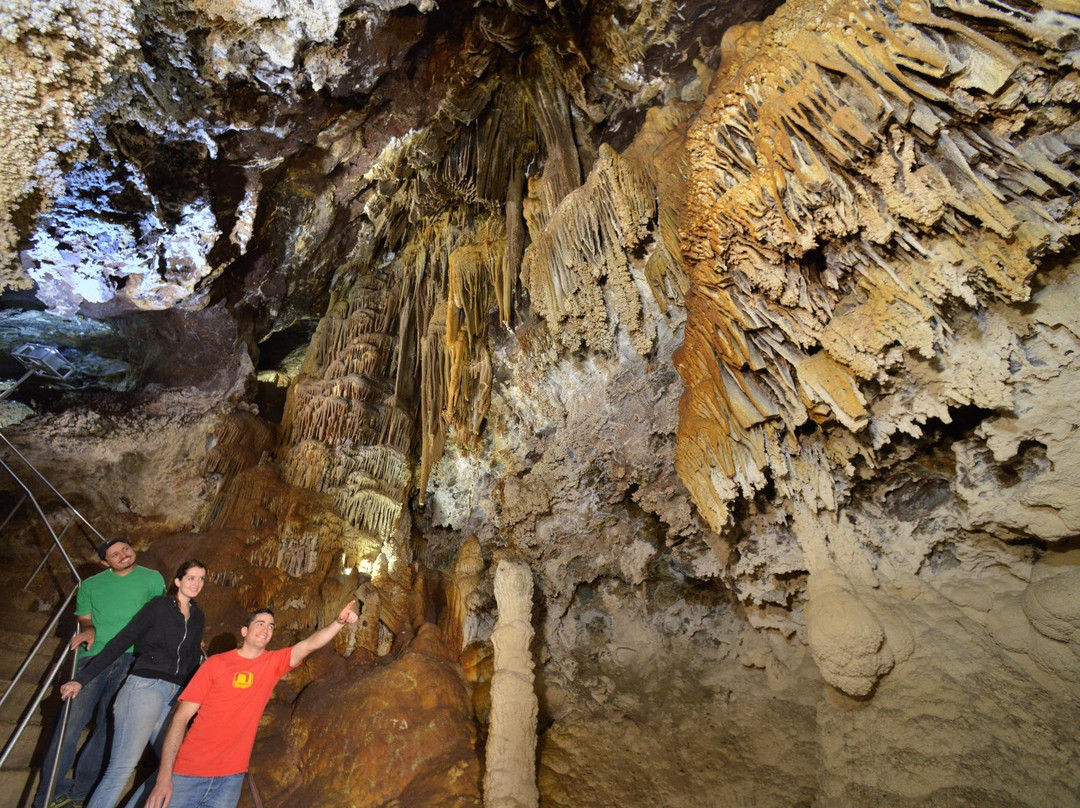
(510, 780)
(467, 570)
(367, 631)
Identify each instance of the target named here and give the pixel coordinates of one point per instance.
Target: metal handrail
(45, 634)
(18, 505)
(255, 798)
(63, 718)
(38, 698)
(42, 477)
(54, 670)
(41, 513)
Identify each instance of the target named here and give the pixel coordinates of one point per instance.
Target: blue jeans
(206, 792)
(96, 696)
(139, 712)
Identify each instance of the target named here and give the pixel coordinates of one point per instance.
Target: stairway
(19, 631)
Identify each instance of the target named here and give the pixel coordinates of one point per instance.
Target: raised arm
(162, 793)
(321, 637)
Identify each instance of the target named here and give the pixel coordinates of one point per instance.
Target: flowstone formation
(731, 354)
(870, 190)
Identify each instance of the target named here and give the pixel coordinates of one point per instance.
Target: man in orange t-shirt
(205, 767)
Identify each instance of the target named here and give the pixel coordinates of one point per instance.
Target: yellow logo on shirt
(243, 679)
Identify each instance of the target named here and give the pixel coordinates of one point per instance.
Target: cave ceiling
(750, 328)
(207, 153)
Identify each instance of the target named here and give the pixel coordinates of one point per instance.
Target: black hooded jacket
(166, 646)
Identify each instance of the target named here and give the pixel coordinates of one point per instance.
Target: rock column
(510, 780)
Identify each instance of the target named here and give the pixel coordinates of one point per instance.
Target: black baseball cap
(103, 548)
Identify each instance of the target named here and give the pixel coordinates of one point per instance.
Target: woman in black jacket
(167, 635)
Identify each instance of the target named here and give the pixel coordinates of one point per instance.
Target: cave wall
(762, 363)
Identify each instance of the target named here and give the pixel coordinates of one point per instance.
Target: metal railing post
(255, 798)
(63, 721)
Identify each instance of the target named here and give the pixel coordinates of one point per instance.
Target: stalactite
(852, 180)
(515, 243)
(275, 536)
(550, 107)
(455, 372)
(476, 272)
(628, 43)
(349, 432)
(432, 397)
(370, 511)
(659, 148)
(240, 442)
(577, 268)
(584, 267)
(475, 168)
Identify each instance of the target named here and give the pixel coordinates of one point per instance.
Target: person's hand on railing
(69, 690)
(85, 636)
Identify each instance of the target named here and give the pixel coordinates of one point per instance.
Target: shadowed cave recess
(726, 354)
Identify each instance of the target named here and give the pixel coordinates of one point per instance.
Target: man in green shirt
(105, 604)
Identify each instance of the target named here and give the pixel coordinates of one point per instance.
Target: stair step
(17, 786)
(17, 702)
(35, 671)
(22, 643)
(26, 748)
(25, 622)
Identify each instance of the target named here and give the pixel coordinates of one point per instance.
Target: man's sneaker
(63, 802)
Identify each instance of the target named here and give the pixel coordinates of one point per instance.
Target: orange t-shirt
(232, 693)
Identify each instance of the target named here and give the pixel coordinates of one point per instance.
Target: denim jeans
(97, 696)
(139, 712)
(206, 792)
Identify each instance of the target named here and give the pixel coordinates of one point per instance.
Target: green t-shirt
(112, 600)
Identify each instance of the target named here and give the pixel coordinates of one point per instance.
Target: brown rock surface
(410, 738)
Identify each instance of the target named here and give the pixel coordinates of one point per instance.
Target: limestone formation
(510, 777)
(862, 183)
(851, 211)
(743, 334)
(846, 639)
(50, 87)
(459, 627)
